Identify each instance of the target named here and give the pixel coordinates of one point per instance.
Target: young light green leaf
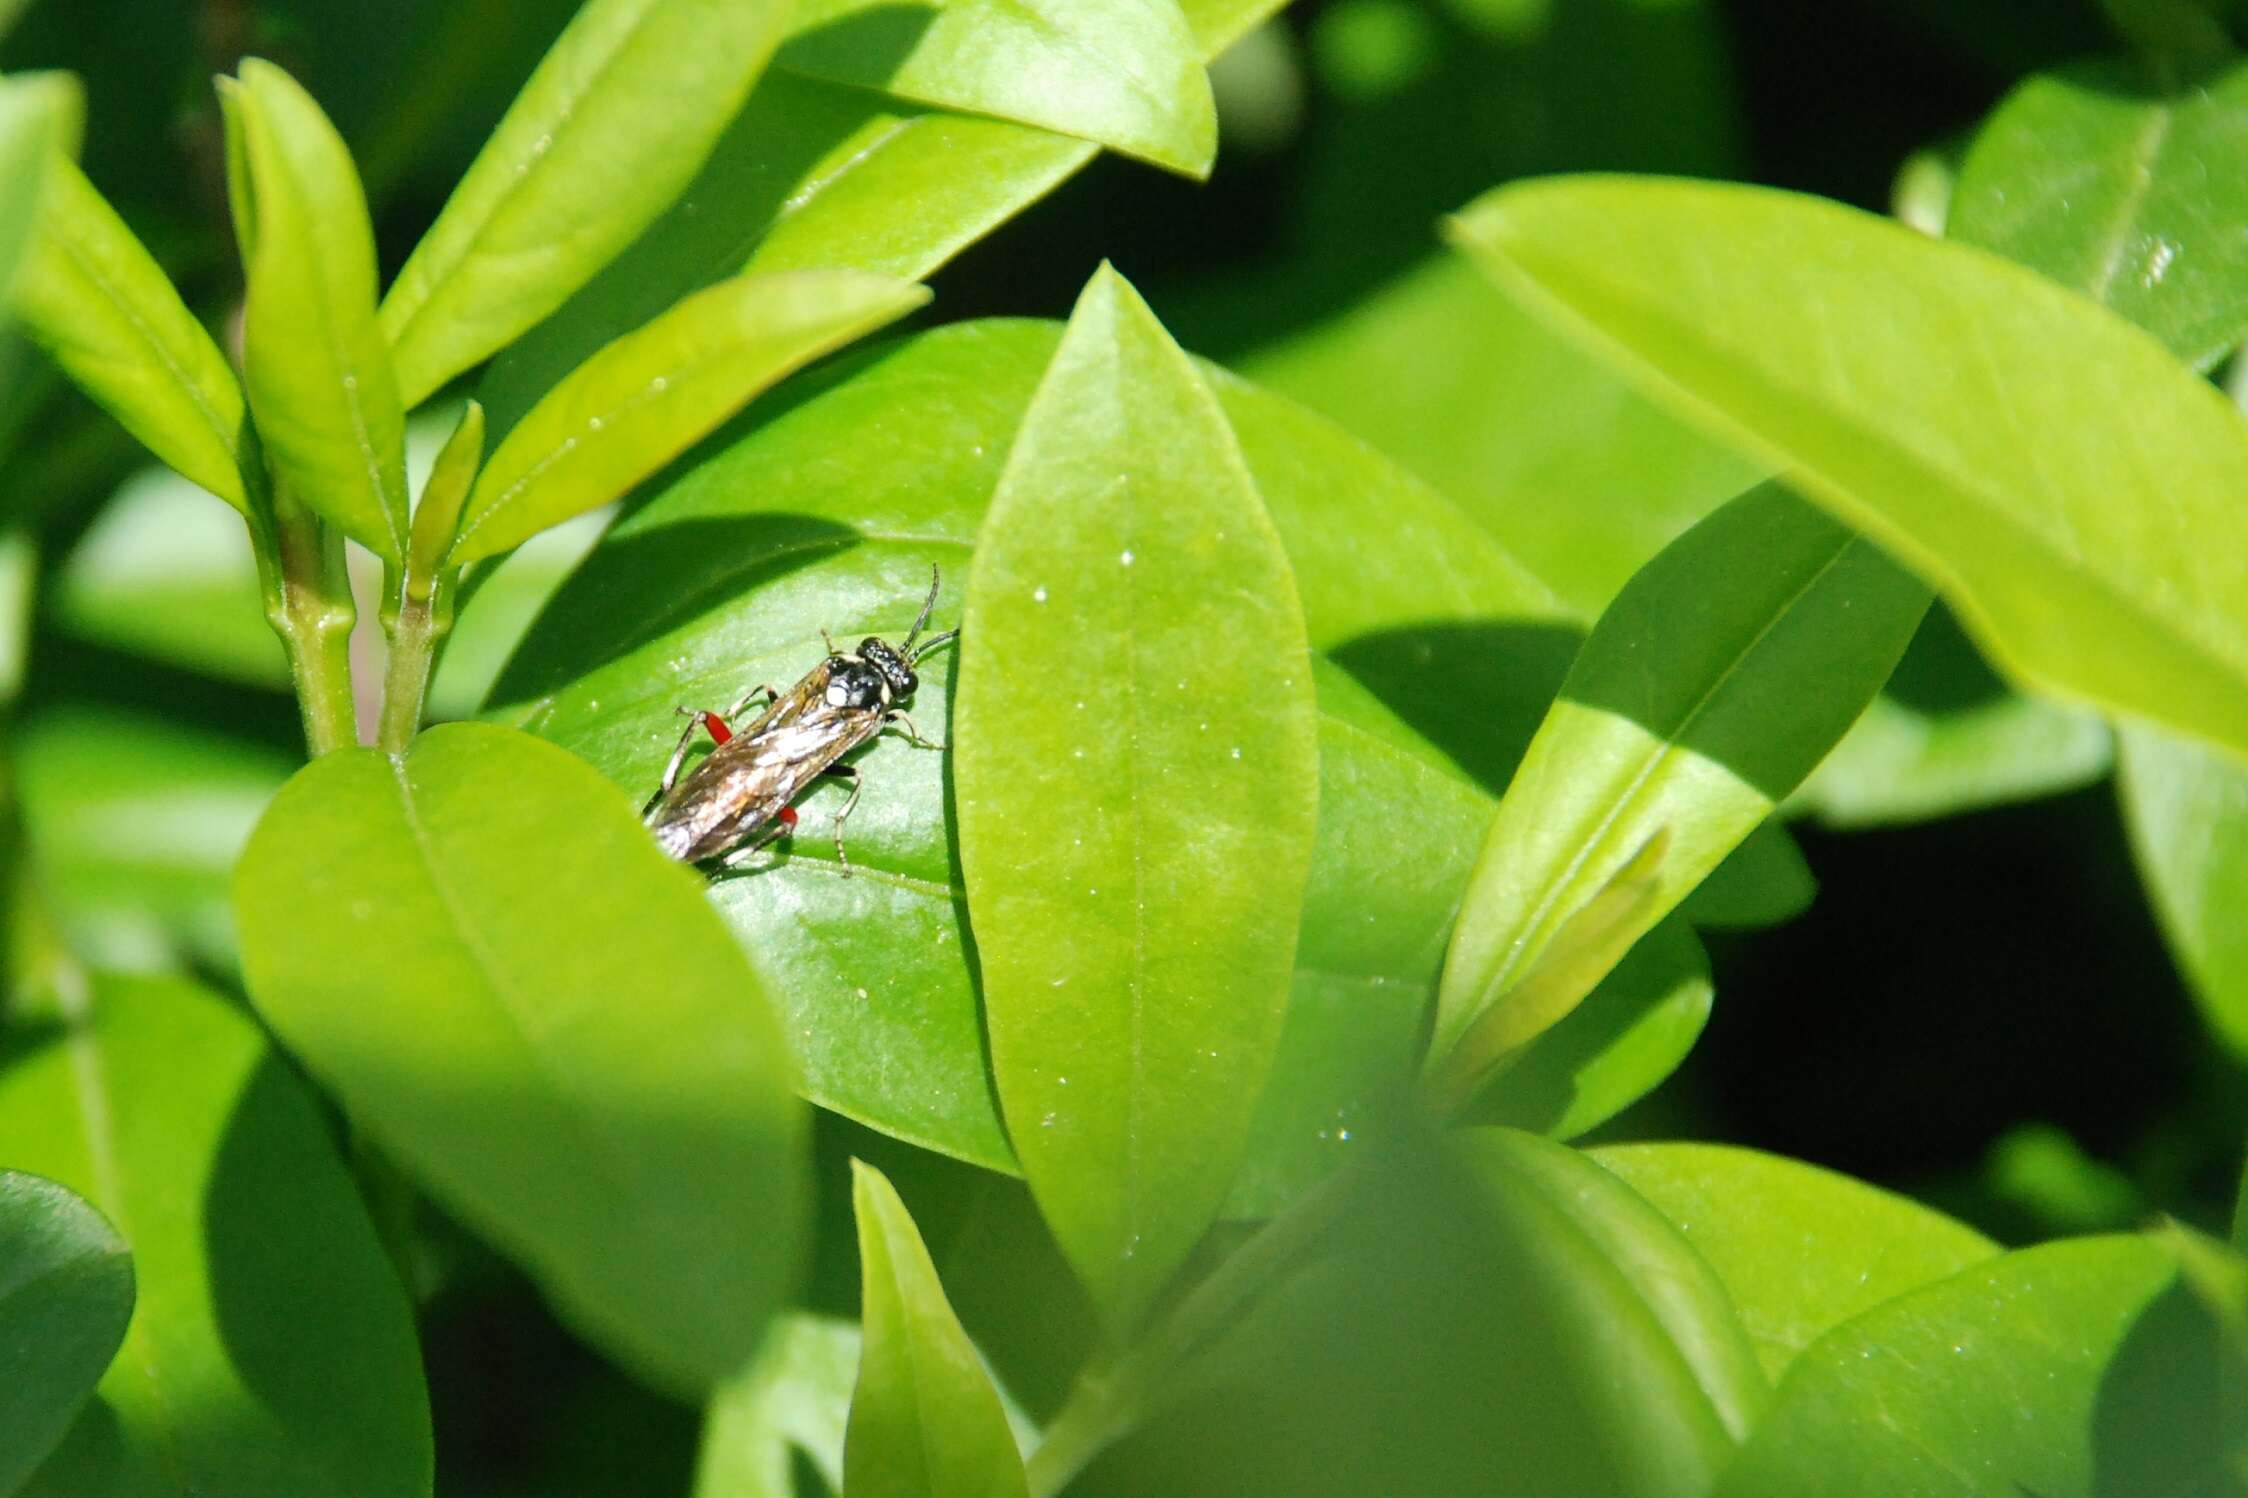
(164, 1107)
(642, 400)
(96, 300)
(1962, 409)
(925, 1419)
(1126, 74)
(618, 117)
(1134, 866)
(795, 1399)
(1900, 763)
(40, 114)
(437, 514)
(1713, 684)
(317, 370)
(2118, 189)
(1801, 1250)
(485, 954)
(2187, 810)
(66, 1294)
(2071, 1370)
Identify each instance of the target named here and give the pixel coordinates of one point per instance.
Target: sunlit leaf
(40, 116)
(793, 1399)
(2187, 809)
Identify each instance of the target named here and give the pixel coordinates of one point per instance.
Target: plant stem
(425, 615)
(1109, 1400)
(309, 605)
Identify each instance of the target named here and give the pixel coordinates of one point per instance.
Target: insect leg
(741, 704)
(678, 758)
(850, 773)
(742, 854)
(912, 734)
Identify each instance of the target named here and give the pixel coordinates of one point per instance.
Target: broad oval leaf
(317, 370)
(1800, 1249)
(2075, 1369)
(618, 117)
(2069, 486)
(925, 1420)
(94, 298)
(66, 1294)
(1121, 73)
(1135, 978)
(165, 1107)
(1715, 682)
(2120, 189)
(829, 510)
(482, 951)
(2187, 810)
(639, 402)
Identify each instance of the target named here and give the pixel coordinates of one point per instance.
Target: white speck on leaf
(1125, 559)
(2159, 259)
(1039, 596)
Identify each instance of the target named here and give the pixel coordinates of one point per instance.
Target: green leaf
(618, 117)
(1126, 74)
(317, 370)
(2119, 190)
(164, 573)
(19, 586)
(135, 822)
(1762, 882)
(809, 176)
(1963, 410)
(2077, 1368)
(828, 511)
(165, 1108)
(794, 1399)
(1900, 763)
(498, 609)
(437, 513)
(642, 400)
(2187, 810)
(1713, 684)
(98, 303)
(1135, 861)
(40, 115)
(66, 1294)
(925, 1419)
(1802, 1250)
(482, 951)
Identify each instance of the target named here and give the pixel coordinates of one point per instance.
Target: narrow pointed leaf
(94, 298)
(1801, 1249)
(316, 367)
(437, 513)
(2120, 190)
(1716, 681)
(165, 1108)
(1963, 410)
(1137, 776)
(1126, 74)
(925, 1419)
(40, 116)
(642, 400)
(66, 1293)
(483, 952)
(2187, 809)
(618, 117)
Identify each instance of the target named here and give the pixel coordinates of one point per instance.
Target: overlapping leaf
(66, 1294)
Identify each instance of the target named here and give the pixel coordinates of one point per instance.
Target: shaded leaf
(483, 952)
(925, 1420)
(166, 1109)
(1962, 409)
(1135, 976)
(66, 1294)
(1762, 882)
(2187, 810)
(618, 117)
(1904, 764)
(794, 1399)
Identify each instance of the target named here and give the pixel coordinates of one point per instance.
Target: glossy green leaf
(165, 1108)
(135, 822)
(2122, 191)
(806, 521)
(2187, 810)
(437, 512)
(40, 115)
(639, 402)
(615, 121)
(1126, 74)
(925, 1420)
(1962, 409)
(66, 1294)
(317, 370)
(809, 176)
(2075, 1369)
(96, 300)
(794, 1399)
(164, 573)
(1904, 764)
(1713, 684)
(482, 951)
(1801, 1250)
(19, 585)
(1135, 978)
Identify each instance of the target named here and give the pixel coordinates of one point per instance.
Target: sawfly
(737, 799)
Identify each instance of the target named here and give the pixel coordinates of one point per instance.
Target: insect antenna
(922, 618)
(913, 656)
